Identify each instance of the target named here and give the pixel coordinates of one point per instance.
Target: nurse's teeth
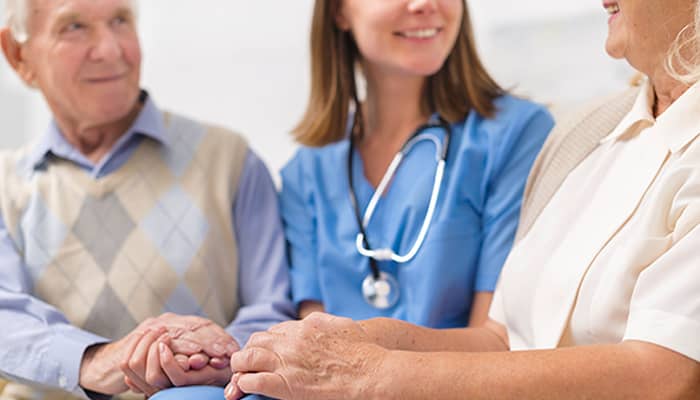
(421, 34)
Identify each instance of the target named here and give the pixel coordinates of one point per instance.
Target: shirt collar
(641, 113)
(679, 124)
(149, 123)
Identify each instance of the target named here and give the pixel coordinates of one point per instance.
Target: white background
(244, 63)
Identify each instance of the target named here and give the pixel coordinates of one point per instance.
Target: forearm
(624, 371)
(38, 348)
(399, 335)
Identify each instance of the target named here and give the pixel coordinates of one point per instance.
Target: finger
(172, 369)
(184, 346)
(183, 361)
(218, 347)
(131, 385)
(255, 359)
(136, 366)
(232, 391)
(219, 363)
(134, 340)
(198, 361)
(261, 339)
(205, 376)
(266, 384)
(154, 373)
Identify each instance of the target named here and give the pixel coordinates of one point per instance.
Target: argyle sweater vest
(154, 236)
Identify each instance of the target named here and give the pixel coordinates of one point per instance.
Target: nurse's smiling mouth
(419, 34)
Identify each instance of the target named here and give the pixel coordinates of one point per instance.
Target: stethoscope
(380, 289)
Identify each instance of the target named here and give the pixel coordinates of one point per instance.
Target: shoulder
(189, 128)
(587, 123)
(309, 159)
(209, 141)
(515, 119)
(607, 110)
(15, 164)
(509, 107)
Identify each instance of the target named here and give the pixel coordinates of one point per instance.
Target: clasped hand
(163, 352)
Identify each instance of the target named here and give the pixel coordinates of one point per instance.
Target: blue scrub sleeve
(297, 206)
(506, 185)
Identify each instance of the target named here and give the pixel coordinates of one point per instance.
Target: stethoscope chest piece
(382, 292)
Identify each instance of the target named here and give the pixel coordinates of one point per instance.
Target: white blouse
(615, 255)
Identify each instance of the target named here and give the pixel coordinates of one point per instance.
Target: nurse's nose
(422, 6)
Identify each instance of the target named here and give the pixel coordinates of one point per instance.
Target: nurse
(404, 198)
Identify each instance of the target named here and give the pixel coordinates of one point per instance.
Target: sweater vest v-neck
(154, 236)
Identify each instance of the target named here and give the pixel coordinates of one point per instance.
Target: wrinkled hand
(177, 351)
(321, 357)
(99, 368)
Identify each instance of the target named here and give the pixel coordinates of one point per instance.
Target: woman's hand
(321, 357)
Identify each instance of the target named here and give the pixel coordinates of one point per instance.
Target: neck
(95, 140)
(666, 89)
(394, 106)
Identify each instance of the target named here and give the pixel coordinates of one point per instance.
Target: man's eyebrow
(66, 17)
(124, 10)
(70, 16)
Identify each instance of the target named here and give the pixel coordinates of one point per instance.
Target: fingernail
(231, 348)
(229, 390)
(161, 347)
(219, 348)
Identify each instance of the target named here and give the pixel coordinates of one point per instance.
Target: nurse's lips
(420, 33)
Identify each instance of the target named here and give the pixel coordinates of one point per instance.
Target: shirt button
(62, 381)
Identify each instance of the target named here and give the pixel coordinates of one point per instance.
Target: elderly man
(120, 213)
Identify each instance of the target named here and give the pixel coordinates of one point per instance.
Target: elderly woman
(600, 297)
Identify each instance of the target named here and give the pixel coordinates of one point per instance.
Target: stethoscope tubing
(362, 242)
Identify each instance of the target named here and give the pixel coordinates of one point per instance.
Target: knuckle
(315, 316)
(132, 365)
(257, 338)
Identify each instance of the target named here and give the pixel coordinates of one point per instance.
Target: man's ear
(14, 56)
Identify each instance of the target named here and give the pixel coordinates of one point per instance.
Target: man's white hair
(16, 17)
(16, 12)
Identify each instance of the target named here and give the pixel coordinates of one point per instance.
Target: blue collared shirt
(28, 323)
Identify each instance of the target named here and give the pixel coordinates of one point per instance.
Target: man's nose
(106, 45)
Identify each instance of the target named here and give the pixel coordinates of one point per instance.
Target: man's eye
(120, 21)
(74, 26)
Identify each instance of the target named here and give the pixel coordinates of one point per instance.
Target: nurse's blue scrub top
(467, 243)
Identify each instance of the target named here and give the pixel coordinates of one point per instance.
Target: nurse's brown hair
(461, 85)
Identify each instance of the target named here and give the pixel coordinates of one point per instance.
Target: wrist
(376, 331)
(100, 377)
(377, 382)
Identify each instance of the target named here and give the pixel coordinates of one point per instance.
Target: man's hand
(320, 357)
(99, 369)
